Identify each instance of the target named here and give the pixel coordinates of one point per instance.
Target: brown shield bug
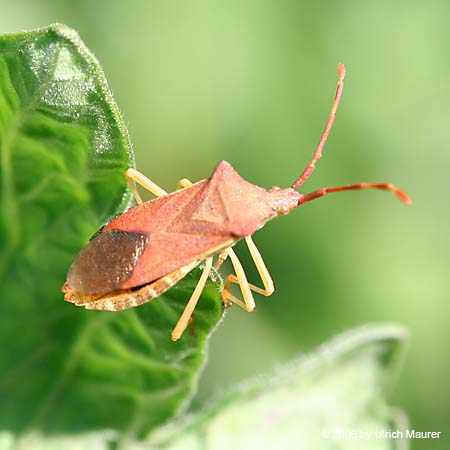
(141, 253)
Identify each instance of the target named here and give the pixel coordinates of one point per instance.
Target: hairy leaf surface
(333, 399)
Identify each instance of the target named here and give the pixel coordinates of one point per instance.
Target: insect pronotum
(141, 253)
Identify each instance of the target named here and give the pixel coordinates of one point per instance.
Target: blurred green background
(252, 82)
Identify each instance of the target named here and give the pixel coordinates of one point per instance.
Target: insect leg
(133, 176)
(240, 278)
(184, 182)
(260, 266)
(223, 255)
(183, 321)
(262, 269)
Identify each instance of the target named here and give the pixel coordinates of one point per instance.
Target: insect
(141, 253)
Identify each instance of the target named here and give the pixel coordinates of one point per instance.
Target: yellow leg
(134, 176)
(261, 268)
(183, 321)
(184, 182)
(223, 255)
(241, 279)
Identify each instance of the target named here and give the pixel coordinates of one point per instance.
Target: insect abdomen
(106, 262)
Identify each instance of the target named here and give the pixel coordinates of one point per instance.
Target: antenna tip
(403, 196)
(341, 72)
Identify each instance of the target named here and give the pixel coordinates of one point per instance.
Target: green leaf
(322, 401)
(37, 441)
(64, 150)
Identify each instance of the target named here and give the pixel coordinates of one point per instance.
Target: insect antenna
(309, 169)
(386, 186)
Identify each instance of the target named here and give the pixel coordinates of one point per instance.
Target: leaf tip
(384, 342)
(66, 32)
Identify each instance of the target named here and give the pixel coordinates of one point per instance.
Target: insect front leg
(241, 279)
(223, 255)
(183, 321)
(261, 268)
(183, 183)
(133, 176)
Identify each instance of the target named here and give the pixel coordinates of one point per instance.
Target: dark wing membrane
(106, 262)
